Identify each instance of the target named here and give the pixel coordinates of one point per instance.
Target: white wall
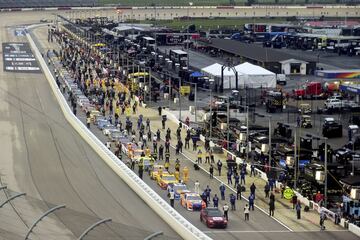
(303, 69)
(285, 68)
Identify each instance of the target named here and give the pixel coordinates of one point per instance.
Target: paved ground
(44, 156)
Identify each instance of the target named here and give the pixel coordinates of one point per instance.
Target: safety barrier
(354, 229)
(177, 222)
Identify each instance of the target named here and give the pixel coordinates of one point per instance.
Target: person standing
(212, 159)
(158, 135)
(167, 146)
(267, 190)
(252, 189)
(252, 170)
(322, 220)
(229, 177)
(204, 198)
(219, 166)
(246, 212)
(197, 187)
(161, 152)
(216, 201)
(194, 140)
(238, 192)
(242, 175)
(199, 157)
(187, 140)
(222, 191)
(141, 170)
(172, 197)
(232, 202)
(251, 202)
(211, 171)
(272, 205)
(226, 210)
(294, 200)
(237, 179)
(207, 156)
(88, 121)
(208, 191)
(298, 209)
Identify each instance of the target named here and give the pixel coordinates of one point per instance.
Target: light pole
(296, 161)
(195, 98)
(228, 123)
(270, 147)
(247, 133)
(325, 164)
(353, 160)
(169, 92)
(269, 116)
(211, 81)
(179, 99)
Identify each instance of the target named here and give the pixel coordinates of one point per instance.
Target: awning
(196, 74)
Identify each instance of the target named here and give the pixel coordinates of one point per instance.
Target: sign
(174, 39)
(288, 193)
(18, 57)
(185, 90)
(350, 89)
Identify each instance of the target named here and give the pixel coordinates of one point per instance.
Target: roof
(352, 180)
(178, 51)
(215, 70)
(292, 60)
(127, 28)
(148, 38)
(255, 51)
(251, 69)
(196, 74)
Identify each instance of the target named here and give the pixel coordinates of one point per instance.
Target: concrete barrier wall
(354, 229)
(177, 222)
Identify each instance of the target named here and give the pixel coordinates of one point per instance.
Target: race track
(43, 156)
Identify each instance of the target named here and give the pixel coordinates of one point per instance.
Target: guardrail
(177, 222)
(354, 229)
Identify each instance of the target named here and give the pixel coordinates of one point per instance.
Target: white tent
(214, 71)
(256, 76)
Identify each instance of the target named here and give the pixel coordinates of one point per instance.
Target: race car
(155, 170)
(165, 180)
(178, 189)
(213, 217)
(192, 201)
(107, 129)
(94, 114)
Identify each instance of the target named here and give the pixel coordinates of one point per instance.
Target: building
(293, 66)
(275, 60)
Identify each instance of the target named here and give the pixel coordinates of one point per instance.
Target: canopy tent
(196, 74)
(214, 71)
(256, 76)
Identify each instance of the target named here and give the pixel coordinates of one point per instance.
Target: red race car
(213, 218)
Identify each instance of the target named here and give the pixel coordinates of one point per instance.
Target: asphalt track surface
(44, 156)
